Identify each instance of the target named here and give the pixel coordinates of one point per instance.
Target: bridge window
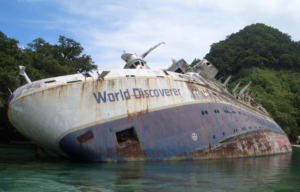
(178, 71)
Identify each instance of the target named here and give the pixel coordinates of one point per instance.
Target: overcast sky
(106, 28)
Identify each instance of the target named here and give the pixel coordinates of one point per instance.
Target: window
(86, 74)
(51, 81)
(74, 81)
(178, 70)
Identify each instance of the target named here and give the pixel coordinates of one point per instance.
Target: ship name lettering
(137, 92)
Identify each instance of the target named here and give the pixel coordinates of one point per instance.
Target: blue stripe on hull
(164, 134)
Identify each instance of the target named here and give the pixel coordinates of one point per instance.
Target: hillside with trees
(257, 53)
(271, 60)
(42, 60)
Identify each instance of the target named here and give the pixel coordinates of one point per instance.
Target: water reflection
(20, 172)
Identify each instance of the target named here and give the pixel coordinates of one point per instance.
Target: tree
(65, 57)
(271, 60)
(42, 60)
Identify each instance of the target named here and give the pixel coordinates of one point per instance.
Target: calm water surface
(19, 171)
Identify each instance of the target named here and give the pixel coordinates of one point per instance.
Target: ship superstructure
(139, 114)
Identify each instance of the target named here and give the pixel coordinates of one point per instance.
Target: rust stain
(98, 150)
(258, 142)
(133, 151)
(137, 113)
(85, 137)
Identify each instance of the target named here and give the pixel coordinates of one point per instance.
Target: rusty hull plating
(143, 115)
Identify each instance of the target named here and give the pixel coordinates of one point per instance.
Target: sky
(106, 28)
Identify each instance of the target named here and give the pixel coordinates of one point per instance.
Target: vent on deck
(74, 81)
(51, 81)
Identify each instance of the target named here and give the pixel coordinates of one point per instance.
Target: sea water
(20, 171)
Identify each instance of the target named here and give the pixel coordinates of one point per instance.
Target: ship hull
(144, 119)
(164, 136)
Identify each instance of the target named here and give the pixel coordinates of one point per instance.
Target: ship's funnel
(22, 73)
(227, 80)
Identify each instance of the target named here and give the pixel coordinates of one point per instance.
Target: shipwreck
(139, 114)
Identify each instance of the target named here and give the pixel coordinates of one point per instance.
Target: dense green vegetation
(42, 60)
(271, 60)
(257, 53)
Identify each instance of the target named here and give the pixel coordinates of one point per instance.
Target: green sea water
(19, 171)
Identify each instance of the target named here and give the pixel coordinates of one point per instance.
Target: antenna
(233, 91)
(22, 73)
(9, 90)
(227, 80)
(143, 55)
(245, 88)
(236, 87)
(135, 61)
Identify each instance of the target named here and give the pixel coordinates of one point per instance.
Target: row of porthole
(256, 119)
(235, 130)
(215, 136)
(217, 111)
(226, 111)
(204, 112)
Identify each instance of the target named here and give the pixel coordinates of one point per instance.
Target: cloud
(188, 28)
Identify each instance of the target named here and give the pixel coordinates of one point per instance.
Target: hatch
(127, 137)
